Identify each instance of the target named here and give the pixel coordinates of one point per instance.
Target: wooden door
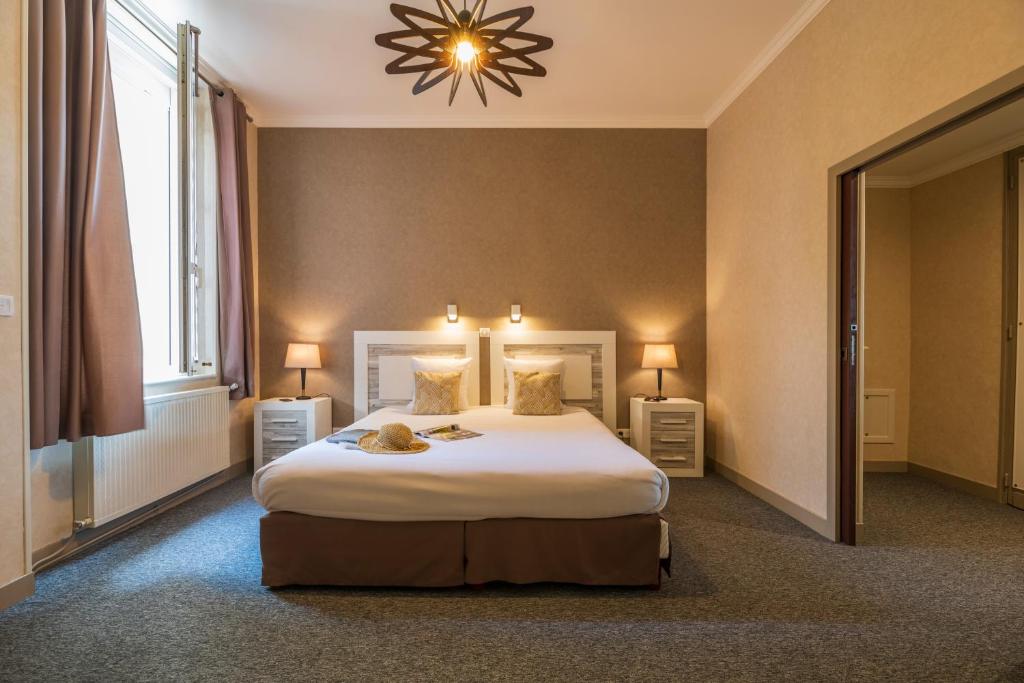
(849, 345)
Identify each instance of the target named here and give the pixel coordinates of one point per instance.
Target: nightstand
(282, 426)
(670, 434)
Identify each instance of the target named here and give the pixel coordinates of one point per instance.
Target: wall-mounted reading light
(517, 313)
(453, 313)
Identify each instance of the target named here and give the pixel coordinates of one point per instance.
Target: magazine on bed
(450, 432)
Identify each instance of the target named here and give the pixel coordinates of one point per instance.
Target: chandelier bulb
(465, 52)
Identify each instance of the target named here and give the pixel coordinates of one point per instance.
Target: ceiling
(983, 138)
(648, 63)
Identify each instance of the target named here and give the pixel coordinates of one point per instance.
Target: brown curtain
(234, 247)
(85, 340)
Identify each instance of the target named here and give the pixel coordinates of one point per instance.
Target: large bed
(535, 498)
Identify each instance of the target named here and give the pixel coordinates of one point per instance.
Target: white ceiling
(638, 63)
(983, 138)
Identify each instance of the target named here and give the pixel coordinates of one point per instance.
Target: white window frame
(135, 28)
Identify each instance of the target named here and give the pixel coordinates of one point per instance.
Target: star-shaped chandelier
(457, 43)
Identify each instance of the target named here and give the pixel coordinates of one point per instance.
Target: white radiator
(184, 442)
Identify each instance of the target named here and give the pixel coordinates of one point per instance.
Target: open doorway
(928, 319)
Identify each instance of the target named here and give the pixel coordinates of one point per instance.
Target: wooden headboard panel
(396, 348)
(590, 366)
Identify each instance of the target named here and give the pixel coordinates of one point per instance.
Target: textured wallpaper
(379, 229)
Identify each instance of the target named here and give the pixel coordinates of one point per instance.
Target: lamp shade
(659, 356)
(302, 356)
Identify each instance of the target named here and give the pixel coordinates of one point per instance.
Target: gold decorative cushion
(537, 393)
(437, 393)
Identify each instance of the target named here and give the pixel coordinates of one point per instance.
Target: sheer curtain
(85, 342)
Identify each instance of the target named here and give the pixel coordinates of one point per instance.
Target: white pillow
(532, 365)
(442, 364)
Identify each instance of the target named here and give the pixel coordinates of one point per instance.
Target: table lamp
(657, 357)
(303, 356)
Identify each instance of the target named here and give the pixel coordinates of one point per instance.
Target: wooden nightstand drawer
(666, 421)
(284, 419)
(675, 442)
(274, 453)
(680, 461)
(284, 439)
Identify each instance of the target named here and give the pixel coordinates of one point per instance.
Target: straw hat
(393, 437)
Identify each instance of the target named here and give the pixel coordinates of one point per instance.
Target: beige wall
(956, 321)
(887, 310)
(12, 425)
(380, 229)
(862, 70)
(52, 504)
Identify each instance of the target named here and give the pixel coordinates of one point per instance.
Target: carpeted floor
(936, 593)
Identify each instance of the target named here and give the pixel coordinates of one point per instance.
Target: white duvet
(562, 466)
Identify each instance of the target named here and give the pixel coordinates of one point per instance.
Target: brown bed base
(322, 551)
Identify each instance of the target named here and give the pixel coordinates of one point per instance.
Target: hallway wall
(933, 318)
(956, 321)
(887, 311)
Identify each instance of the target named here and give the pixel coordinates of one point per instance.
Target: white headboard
(381, 368)
(590, 366)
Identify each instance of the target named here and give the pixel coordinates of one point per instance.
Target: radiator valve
(86, 523)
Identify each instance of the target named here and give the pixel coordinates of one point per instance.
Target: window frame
(193, 284)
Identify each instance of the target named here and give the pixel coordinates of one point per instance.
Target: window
(175, 259)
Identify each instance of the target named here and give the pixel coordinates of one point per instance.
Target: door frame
(844, 253)
(1011, 326)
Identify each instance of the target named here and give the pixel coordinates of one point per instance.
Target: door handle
(853, 345)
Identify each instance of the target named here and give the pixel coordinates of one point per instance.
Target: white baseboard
(801, 514)
(17, 590)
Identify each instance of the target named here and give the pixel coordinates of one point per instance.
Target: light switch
(6, 305)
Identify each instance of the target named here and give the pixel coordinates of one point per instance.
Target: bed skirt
(323, 551)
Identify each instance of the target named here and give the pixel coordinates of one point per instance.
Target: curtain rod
(145, 17)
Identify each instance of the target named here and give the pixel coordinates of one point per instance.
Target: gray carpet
(937, 593)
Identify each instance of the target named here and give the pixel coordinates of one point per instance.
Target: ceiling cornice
(951, 166)
(783, 38)
(474, 121)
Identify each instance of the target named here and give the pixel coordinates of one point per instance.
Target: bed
(535, 499)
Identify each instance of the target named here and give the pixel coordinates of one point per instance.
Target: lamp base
(659, 397)
(302, 386)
